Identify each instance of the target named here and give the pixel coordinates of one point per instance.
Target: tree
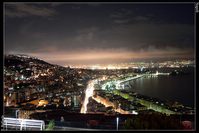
(51, 125)
(128, 123)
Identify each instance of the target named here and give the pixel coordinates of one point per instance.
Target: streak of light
(88, 94)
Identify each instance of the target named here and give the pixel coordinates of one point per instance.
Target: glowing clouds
(108, 56)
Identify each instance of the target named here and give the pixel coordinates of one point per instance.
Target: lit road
(142, 75)
(131, 78)
(119, 82)
(88, 94)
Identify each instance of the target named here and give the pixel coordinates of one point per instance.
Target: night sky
(96, 33)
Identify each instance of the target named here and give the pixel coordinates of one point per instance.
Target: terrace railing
(22, 124)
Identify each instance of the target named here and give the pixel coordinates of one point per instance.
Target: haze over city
(99, 33)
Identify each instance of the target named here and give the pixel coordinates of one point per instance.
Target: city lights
(99, 66)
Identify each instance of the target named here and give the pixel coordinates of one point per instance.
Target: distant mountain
(20, 59)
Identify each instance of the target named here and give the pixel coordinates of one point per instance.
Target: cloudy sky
(90, 33)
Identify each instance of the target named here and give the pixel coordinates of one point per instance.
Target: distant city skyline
(99, 33)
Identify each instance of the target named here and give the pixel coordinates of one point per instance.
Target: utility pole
(17, 113)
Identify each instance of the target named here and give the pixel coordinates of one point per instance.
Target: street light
(117, 120)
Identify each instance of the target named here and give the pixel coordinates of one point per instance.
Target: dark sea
(178, 88)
